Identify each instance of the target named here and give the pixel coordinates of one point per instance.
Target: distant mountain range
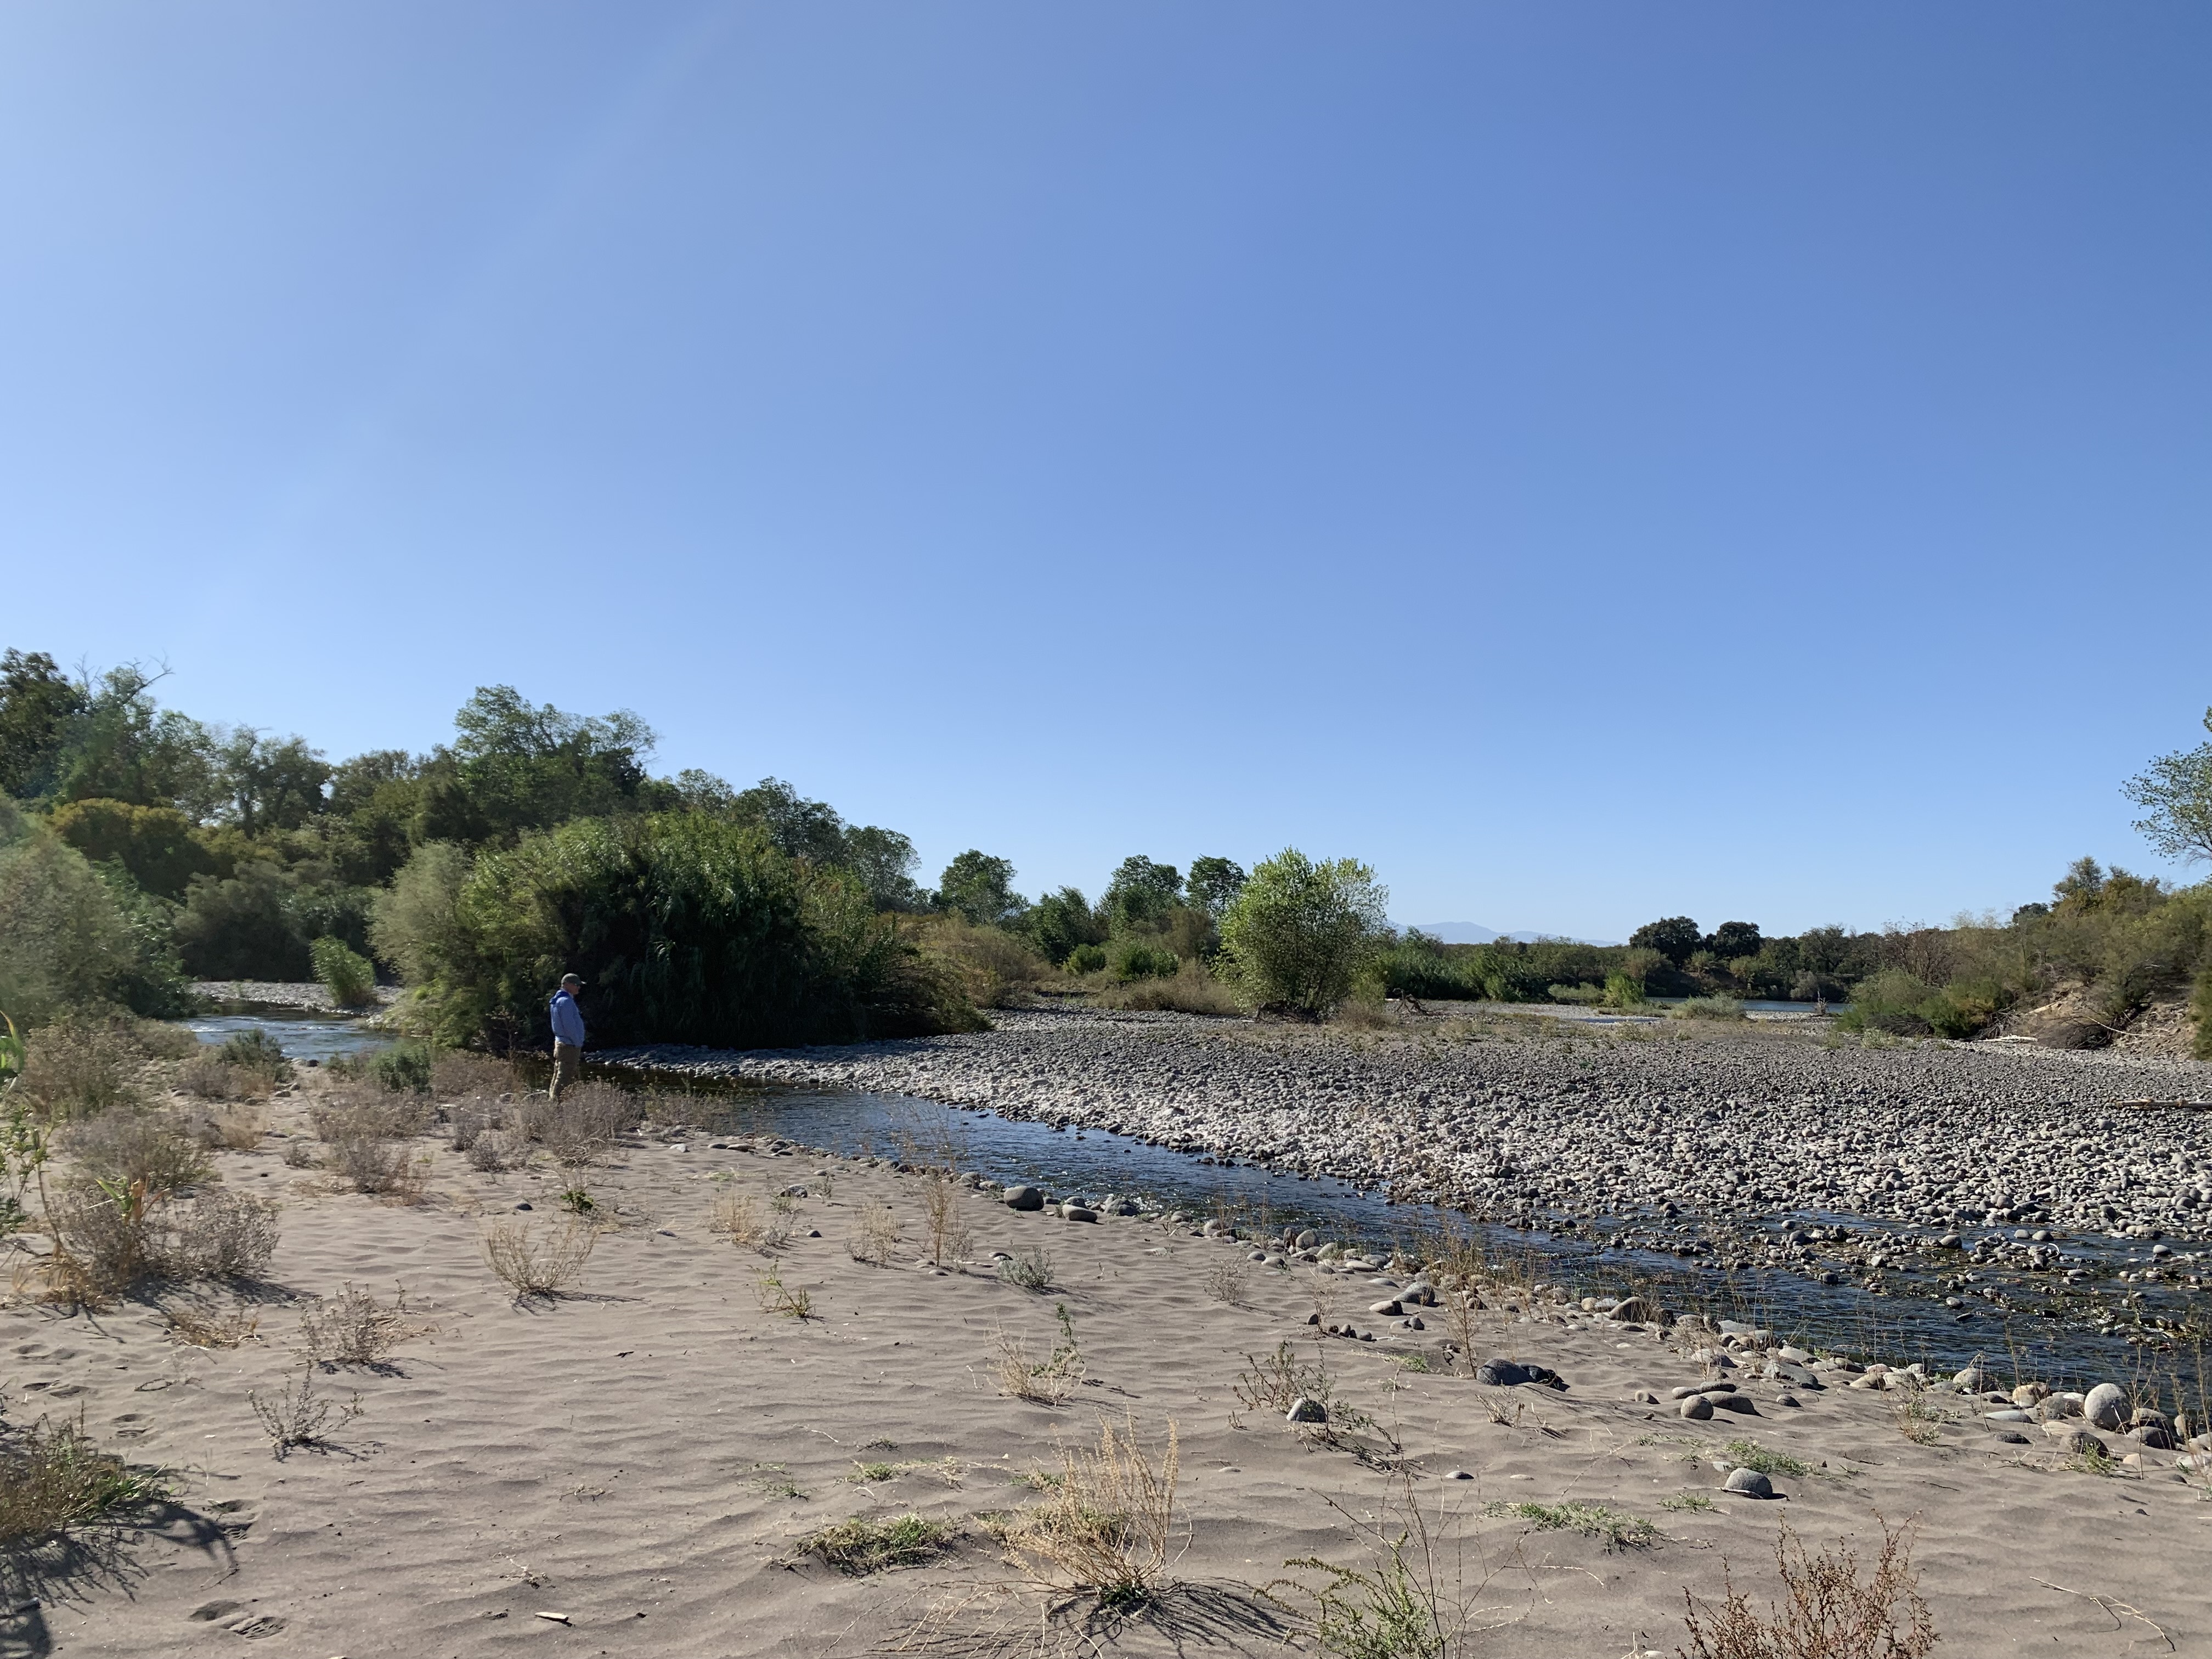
(1473, 933)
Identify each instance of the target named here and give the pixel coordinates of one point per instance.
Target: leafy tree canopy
(1141, 893)
(1214, 883)
(2176, 796)
(1300, 932)
(980, 888)
(1675, 937)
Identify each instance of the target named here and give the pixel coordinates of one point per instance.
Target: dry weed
(1048, 1382)
(775, 1298)
(875, 1235)
(1224, 1282)
(1829, 1613)
(198, 1328)
(382, 1168)
(580, 1127)
(1108, 1526)
(948, 1231)
(741, 1220)
(531, 1263)
(354, 1328)
(298, 1417)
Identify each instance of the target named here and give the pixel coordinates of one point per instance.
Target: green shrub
(349, 978)
(413, 922)
(1623, 990)
(1418, 966)
(1299, 932)
(1085, 959)
(2200, 1009)
(404, 1067)
(688, 929)
(1128, 959)
(1707, 1008)
(256, 1051)
(243, 926)
(65, 942)
(996, 969)
(1062, 923)
(154, 844)
(1585, 996)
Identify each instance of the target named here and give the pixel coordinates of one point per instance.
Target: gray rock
(1634, 1311)
(2011, 1436)
(1389, 1309)
(1078, 1213)
(1748, 1483)
(1024, 1198)
(2105, 1406)
(2010, 1414)
(1459, 1474)
(1306, 1411)
(1501, 1373)
(1972, 1380)
(1309, 1240)
(1735, 1402)
(1697, 1408)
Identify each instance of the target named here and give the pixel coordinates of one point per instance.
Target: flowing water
(1091, 1163)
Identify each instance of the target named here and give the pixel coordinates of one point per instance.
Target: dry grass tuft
(1107, 1526)
(202, 1328)
(1225, 1283)
(1919, 1422)
(1028, 1270)
(382, 1168)
(776, 1298)
(578, 1129)
(875, 1235)
(1048, 1382)
(948, 1231)
(354, 1328)
(743, 1221)
(298, 1417)
(860, 1545)
(532, 1263)
(1829, 1612)
(52, 1478)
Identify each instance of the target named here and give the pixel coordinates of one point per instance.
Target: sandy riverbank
(645, 1455)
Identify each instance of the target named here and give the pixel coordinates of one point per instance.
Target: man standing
(568, 1034)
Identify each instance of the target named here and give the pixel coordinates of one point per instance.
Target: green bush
(1300, 932)
(1062, 923)
(258, 1052)
(1128, 959)
(2200, 1010)
(1586, 995)
(403, 1068)
(155, 843)
(351, 979)
(65, 943)
(413, 919)
(1623, 990)
(688, 929)
(1707, 1008)
(1085, 959)
(243, 926)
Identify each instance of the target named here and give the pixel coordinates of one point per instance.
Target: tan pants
(568, 1067)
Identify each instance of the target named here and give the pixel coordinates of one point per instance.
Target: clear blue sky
(1592, 461)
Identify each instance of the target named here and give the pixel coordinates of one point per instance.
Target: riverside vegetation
(142, 850)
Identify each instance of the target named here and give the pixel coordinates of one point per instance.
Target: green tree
(270, 783)
(884, 861)
(980, 888)
(689, 929)
(513, 766)
(795, 826)
(1140, 894)
(1061, 923)
(2176, 797)
(122, 745)
(65, 942)
(154, 844)
(1735, 938)
(1214, 883)
(1676, 938)
(37, 705)
(1299, 932)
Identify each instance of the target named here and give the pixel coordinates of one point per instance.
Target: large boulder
(2106, 1406)
(1024, 1198)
